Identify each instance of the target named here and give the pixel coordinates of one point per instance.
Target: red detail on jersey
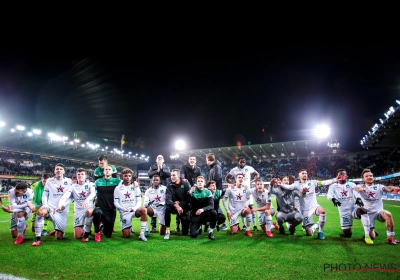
(344, 193)
(82, 194)
(371, 194)
(158, 198)
(127, 194)
(239, 197)
(60, 189)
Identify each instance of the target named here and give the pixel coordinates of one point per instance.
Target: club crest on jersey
(244, 191)
(86, 187)
(347, 186)
(161, 191)
(246, 169)
(182, 186)
(375, 188)
(131, 188)
(24, 196)
(65, 183)
(309, 184)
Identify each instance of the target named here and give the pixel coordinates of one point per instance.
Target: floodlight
(20, 127)
(322, 131)
(180, 145)
(398, 102)
(29, 134)
(12, 130)
(36, 131)
(2, 124)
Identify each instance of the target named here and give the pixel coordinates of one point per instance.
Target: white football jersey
(156, 196)
(246, 171)
(344, 194)
(127, 197)
(80, 193)
(372, 198)
(237, 198)
(260, 198)
(54, 190)
(18, 203)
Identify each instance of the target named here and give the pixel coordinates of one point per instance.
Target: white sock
(365, 222)
(39, 225)
(88, 224)
(21, 226)
(243, 221)
(248, 221)
(253, 218)
(268, 221)
(321, 222)
(210, 230)
(143, 226)
(389, 233)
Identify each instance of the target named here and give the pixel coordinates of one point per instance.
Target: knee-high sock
(21, 226)
(243, 221)
(253, 217)
(268, 222)
(143, 226)
(248, 221)
(39, 226)
(88, 224)
(321, 222)
(365, 222)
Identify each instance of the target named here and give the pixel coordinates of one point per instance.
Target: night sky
(210, 95)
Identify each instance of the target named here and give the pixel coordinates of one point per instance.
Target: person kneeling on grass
(83, 194)
(53, 191)
(369, 195)
(20, 199)
(238, 205)
(154, 201)
(264, 209)
(128, 200)
(202, 209)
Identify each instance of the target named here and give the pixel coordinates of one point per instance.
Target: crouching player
(286, 202)
(20, 206)
(218, 194)
(128, 200)
(83, 194)
(53, 191)
(369, 195)
(263, 202)
(341, 194)
(202, 209)
(154, 201)
(238, 205)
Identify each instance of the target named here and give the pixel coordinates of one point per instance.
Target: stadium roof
(269, 151)
(43, 146)
(386, 134)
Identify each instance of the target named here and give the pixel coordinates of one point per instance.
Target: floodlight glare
(77, 140)
(2, 124)
(36, 131)
(30, 134)
(180, 145)
(12, 130)
(398, 102)
(322, 131)
(20, 127)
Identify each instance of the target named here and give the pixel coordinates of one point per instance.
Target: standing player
(369, 195)
(99, 171)
(202, 209)
(128, 200)
(53, 191)
(177, 202)
(104, 212)
(83, 194)
(221, 225)
(238, 205)
(20, 206)
(38, 189)
(247, 171)
(263, 202)
(286, 203)
(215, 170)
(154, 200)
(308, 202)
